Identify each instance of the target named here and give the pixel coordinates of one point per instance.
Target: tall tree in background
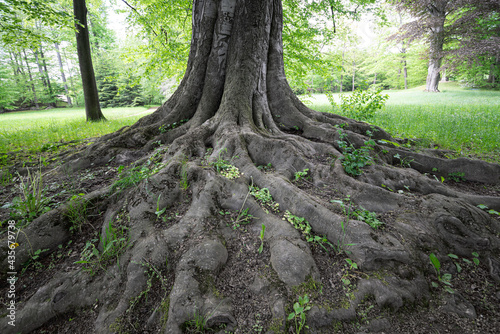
(472, 25)
(92, 107)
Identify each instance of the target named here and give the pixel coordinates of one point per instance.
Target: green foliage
(166, 127)
(348, 209)
(354, 159)
(360, 105)
(445, 278)
(76, 211)
(184, 183)
(224, 167)
(261, 237)
(301, 175)
(32, 202)
(114, 242)
(19, 17)
(264, 197)
(405, 162)
(33, 261)
(243, 218)
(368, 217)
(265, 168)
(491, 211)
(301, 224)
(299, 313)
(457, 176)
(133, 176)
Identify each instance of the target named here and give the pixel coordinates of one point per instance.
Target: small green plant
(32, 202)
(360, 105)
(445, 278)
(348, 210)
(491, 212)
(354, 159)
(77, 212)
(197, 325)
(261, 237)
(166, 127)
(475, 259)
(159, 211)
(184, 175)
(153, 273)
(224, 167)
(301, 224)
(404, 162)
(299, 313)
(301, 175)
(368, 217)
(134, 175)
(264, 197)
(34, 261)
(243, 218)
(114, 242)
(265, 168)
(5, 177)
(457, 176)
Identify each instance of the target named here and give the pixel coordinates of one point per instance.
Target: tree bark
(436, 41)
(63, 76)
(32, 83)
(92, 107)
(353, 73)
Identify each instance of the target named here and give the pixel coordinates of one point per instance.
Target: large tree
(198, 155)
(472, 25)
(91, 95)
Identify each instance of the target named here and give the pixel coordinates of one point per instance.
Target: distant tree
(92, 107)
(472, 25)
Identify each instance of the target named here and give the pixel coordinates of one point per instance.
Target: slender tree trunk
(44, 64)
(35, 99)
(353, 73)
(403, 61)
(92, 107)
(70, 79)
(40, 69)
(63, 76)
(436, 42)
(375, 78)
(405, 74)
(342, 70)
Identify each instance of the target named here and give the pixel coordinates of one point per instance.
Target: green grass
(34, 130)
(464, 120)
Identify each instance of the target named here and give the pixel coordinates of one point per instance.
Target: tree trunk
(32, 83)
(342, 70)
(214, 221)
(92, 107)
(436, 42)
(46, 71)
(63, 76)
(353, 73)
(40, 70)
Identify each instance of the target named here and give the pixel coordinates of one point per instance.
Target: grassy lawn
(464, 120)
(34, 130)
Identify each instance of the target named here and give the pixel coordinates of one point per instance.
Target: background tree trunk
(436, 41)
(63, 76)
(32, 83)
(92, 107)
